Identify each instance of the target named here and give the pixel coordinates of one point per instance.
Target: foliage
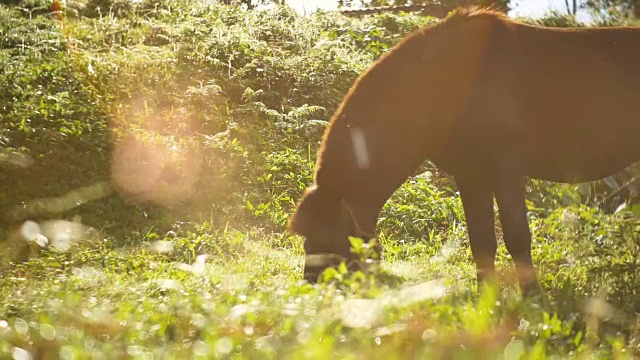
(151, 152)
(501, 5)
(618, 8)
(557, 19)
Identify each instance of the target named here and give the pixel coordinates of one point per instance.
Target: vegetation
(597, 8)
(152, 151)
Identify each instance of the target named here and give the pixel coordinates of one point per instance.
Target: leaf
(356, 244)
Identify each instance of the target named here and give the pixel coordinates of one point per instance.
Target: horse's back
(577, 92)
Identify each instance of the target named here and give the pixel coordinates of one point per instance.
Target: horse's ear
(317, 203)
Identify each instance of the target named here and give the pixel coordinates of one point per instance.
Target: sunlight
(60, 204)
(21, 354)
(360, 148)
(30, 231)
(59, 234)
(448, 248)
(368, 313)
(161, 247)
(361, 313)
(198, 267)
(156, 156)
(434, 289)
(89, 275)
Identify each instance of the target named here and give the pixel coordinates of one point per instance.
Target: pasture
(152, 153)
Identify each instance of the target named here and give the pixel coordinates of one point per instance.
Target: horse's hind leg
(510, 196)
(477, 200)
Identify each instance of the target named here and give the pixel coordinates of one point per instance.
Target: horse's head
(325, 222)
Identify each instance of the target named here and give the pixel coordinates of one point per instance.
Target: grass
(152, 152)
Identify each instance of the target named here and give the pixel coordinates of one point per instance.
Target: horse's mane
(462, 15)
(467, 12)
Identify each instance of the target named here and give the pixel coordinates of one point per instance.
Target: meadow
(152, 151)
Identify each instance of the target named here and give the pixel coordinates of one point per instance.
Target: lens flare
(157, 156)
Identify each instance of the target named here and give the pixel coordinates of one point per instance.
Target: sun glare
(156, 156)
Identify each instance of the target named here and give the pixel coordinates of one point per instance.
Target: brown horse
(488, 101)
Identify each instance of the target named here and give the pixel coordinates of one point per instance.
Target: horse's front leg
(510, 196)
(477, 200)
